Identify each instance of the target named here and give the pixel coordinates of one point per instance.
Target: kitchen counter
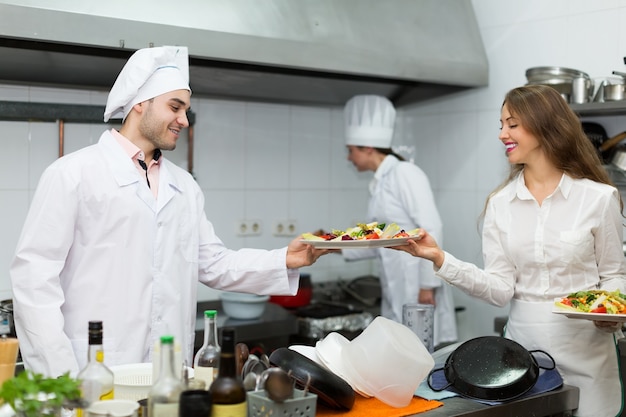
(270, 331)
(559, 402)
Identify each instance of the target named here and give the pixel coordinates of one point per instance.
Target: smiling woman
(557, 191)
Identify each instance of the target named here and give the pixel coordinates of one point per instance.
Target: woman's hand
(300, 254)
(608, 326)
(424, 247)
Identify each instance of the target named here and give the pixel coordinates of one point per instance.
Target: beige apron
(585, 357)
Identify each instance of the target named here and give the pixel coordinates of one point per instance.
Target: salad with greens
(363, 231)
(594, 301)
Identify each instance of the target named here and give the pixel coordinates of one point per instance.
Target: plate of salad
(363, 235)
(598, 305)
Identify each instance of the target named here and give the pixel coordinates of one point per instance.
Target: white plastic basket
(132, 381)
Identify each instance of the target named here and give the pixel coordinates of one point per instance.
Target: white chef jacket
(97, 245)
(401, 194)
(534, 254)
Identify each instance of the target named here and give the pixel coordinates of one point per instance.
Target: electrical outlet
(287, 227)
(247, 227)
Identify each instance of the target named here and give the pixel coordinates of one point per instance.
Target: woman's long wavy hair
(543, 113)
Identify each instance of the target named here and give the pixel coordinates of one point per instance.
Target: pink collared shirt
(136, 154)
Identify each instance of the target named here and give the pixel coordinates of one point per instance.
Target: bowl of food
(243, 306)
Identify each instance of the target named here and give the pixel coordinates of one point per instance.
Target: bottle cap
(210, 314)
(167, 340)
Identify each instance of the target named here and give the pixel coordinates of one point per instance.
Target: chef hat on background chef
(369, 121)
(148, 73)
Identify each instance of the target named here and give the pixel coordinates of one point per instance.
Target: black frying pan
(331, 390)
(491, 368)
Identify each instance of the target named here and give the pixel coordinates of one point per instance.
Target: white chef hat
(148, 73)
(369, 121)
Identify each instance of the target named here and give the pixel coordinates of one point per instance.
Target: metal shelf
(607, 108)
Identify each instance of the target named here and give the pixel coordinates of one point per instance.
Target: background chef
(400, 192)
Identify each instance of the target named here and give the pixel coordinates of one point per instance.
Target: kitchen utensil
(8, 357)
(252, 372)
(608, 144)
(388, 361)
(619, 159)
(302, 297)
(491, 368)
(242, 353)
(613, 92)
(420, 319)
(277, 384)
(330, 389)
(328, 351)
(595, 132)
(243, 306)
(560, 78)
(580, 90)
(303, 404)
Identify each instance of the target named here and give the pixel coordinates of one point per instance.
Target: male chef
(116, 232)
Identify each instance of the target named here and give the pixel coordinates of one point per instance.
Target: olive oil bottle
(228, 395)
(96, 379)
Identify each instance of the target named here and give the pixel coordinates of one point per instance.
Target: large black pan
(491, 368)
(331, 390)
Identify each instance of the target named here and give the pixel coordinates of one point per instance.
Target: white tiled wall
(272, 162)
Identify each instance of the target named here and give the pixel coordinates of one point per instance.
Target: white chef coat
(401, 194)
(97, 245)
(534, 254)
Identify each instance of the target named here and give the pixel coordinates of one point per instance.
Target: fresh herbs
(32, 394)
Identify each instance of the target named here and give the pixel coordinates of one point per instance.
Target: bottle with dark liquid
(228, 395)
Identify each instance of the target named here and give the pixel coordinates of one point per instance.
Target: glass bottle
(206, 362)
(195, 403)
(164, 395)
(96, 379)
(228, 395)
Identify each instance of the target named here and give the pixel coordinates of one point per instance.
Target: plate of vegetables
(363, 235)
(598, 305)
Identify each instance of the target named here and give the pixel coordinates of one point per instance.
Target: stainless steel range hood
(290, 51)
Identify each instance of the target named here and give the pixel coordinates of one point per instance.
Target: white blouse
(572, 242)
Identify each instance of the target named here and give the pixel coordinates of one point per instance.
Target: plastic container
(133, 381)
(242, 306)
(388, 361)
(299, 406)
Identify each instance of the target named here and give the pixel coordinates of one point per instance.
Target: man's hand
(300, 254)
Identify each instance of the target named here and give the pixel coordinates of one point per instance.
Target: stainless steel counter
(555, 403)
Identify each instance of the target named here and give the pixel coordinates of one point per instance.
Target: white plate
(588, 316)
(351, 244)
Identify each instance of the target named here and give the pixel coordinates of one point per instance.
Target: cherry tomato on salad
(566, 301)
(328, 236)
(600, 309)
(401, 234)
(371, 236)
